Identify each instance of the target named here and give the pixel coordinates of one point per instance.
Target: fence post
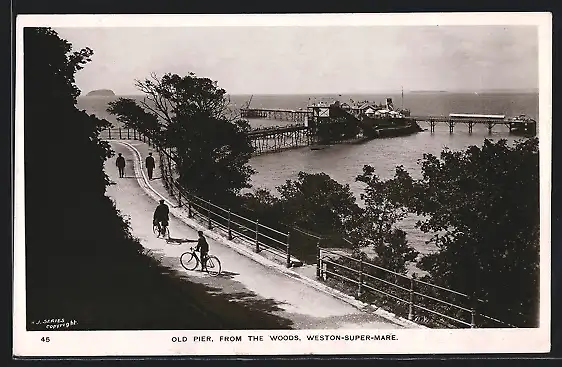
(360, 290)
(257, 231)
(318, 262)
(229, 230)
(135, 134)
(288, 250)
(411, 303)
(179, 198)
(210, 225)
(120, 134)
(473, 311)
(189, 213)
(169, 165)
(128, 134)
(109, 132)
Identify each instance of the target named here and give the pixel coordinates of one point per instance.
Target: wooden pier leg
(470, 127)
(490, 125)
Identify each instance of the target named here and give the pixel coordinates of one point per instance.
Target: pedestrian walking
(150, 165)
(120, 163)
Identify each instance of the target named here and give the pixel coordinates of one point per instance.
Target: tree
(131, 115)
(320, 204)
(482, 207)
(82, 262)
(191, 115)
(383, 209)
(64, 157)
(335, 129)
(64, 176)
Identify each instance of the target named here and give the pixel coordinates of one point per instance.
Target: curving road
(267, 291)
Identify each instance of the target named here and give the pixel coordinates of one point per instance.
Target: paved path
(244, 279)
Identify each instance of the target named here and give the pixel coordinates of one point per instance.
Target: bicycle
(189, 260)
(159, 230)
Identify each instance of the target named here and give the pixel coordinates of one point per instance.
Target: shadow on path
(226, 299)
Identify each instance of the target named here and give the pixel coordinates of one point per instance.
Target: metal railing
(251, 231)
(123, 134)
(416, 296)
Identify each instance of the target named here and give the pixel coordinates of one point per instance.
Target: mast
(402, 99)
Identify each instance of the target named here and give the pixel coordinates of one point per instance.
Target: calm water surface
(344, 162)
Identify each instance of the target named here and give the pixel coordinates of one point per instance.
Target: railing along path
(419, 296)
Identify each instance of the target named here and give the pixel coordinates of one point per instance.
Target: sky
(313, 59)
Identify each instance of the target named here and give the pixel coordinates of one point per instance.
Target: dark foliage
(335, 129)
(482, 206)
(383, 209)
(191, 116)
(314, 209)
(81, 261)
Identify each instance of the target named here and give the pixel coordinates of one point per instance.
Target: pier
(274, 114)
(277, 138)
(490, 122)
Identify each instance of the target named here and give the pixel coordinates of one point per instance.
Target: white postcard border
(145, 343)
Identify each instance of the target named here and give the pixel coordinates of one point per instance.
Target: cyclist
(161, 217)
(203, 248)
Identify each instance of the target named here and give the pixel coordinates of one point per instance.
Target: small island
(101, 93)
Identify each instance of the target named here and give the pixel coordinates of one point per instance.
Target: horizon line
(518, 90)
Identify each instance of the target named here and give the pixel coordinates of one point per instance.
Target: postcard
(282, 184)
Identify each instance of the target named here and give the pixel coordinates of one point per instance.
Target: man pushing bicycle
(202, 247)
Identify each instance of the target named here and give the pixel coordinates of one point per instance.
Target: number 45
(45, 339)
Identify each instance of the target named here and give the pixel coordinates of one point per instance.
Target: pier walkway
(274, 114)
(247, 277)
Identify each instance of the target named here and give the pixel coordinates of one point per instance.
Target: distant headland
(101, 92)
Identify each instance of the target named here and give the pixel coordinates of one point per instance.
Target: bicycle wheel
(213, 265)
(189, 261)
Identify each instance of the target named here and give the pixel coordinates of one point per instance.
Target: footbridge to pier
(470, 122)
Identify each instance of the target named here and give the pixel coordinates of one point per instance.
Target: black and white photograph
(282, 184)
